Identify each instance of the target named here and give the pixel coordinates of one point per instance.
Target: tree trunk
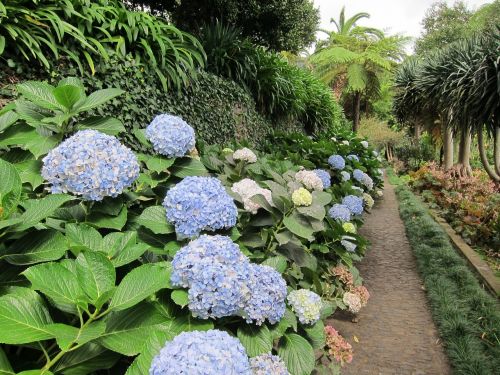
(448, 148)
(356, 107)
(484, 158)
(417, 131)
(496, 151)
(463, 168)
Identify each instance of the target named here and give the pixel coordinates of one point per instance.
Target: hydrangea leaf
(107, 125)
(83, 236)
(180, 297)
(39, 209)
(297, 354)
(154, 218)
(316, 334)
(100, 220)
(5, 367)
(86, 360)
(159, 163)
(256, 340)
(65, 334)
(189, 167)
(298, 226)
(40, 246)
(138, 284)
(95, 274)
(279, 263)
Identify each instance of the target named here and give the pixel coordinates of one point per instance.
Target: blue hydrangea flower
(268, 295)
(336, 162)
(354, 204)
(91, 164)
(210, 352)
(188, 261)
(340, 212)
(170, 135)
(352, 157)
(345, 176)
(199, 203)
(363, 178)
(268, 364)
(325, 177)
(219, 290)
(306, 305)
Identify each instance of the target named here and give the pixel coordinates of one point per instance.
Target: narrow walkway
(395, 330)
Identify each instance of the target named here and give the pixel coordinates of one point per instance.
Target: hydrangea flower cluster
(306, 305)
(222, 281)
(364, 144)
(268, 364)
(344, 275)
(362, 293)
(199, 203)
(336, 162)
(245, 154)
(345, 176)
(210, 352)
(363, 178)
(91, 164)
(348, 245)
(368, 200)
(352, 158)
(248, 188)
(340, 212)
(354, 204)
(301, 197)
(268, 293)
(349, 227)
(338, 347)
(379, 193)
(170, 135)
(325, 177)
(346, 143)
(352, 301)
(309, 179)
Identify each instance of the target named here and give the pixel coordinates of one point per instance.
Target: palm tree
(354, 63)
(349, 28)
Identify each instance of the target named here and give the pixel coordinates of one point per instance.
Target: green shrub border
(467, 317)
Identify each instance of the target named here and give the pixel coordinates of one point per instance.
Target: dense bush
(87, 31)
(218, 109)
(471, 205)
(379, 133)
(91, 282)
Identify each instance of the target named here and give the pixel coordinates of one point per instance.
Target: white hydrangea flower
(245, 154)
(379, 193)
(353, 302)
(309, 179)
(248, 188)
(333, 139)
(306, 305)
(345, 143)
(368, 200)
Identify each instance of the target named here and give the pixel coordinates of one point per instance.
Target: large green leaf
(127, 330)
(98, 98)
(298, 226)
(40, 93)
(279, 263)
(151, 348)
(65, 335)
(86, 360)
(36, 247)
(159, 163)
(58, 283)
(95, 274)
(67, 95)
(29, 171)
(189, 167)
(138, 284)
(7, 119)
(255, 339)
(129, 254)
(106, 125)
(180, 297)
(288, 320)
(321, 197)
(297, 354)
(41, 145)
(315, 211)
(10, 188)
(154, 218)
(316, 334)
(39, 209)
(101, 220)
(23, 318)
(83, 236)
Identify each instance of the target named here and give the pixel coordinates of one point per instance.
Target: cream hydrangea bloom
(368, 200)
(301, 197)
(364, 144)
(353, 302)
(309, 179)
(349, 227)
(245, 154)
(247, 189)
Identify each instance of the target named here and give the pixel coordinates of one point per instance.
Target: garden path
(395, 330)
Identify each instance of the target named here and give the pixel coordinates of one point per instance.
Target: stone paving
(395, 330)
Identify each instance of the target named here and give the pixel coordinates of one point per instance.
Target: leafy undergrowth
(467, 317)
(471, 205)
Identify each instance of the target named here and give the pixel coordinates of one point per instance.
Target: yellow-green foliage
(378, 132)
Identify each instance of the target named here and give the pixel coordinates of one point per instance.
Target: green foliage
(288, 25)
(281, 91)
(86, 31)
(467, 317)
(379, 133)
(86, 285)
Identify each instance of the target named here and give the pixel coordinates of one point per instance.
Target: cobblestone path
(395, 330)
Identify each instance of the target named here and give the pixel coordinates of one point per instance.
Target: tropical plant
(355, 64)
(348, 27)
(85, 30)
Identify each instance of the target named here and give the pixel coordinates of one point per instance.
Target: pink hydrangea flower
(338, 347)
